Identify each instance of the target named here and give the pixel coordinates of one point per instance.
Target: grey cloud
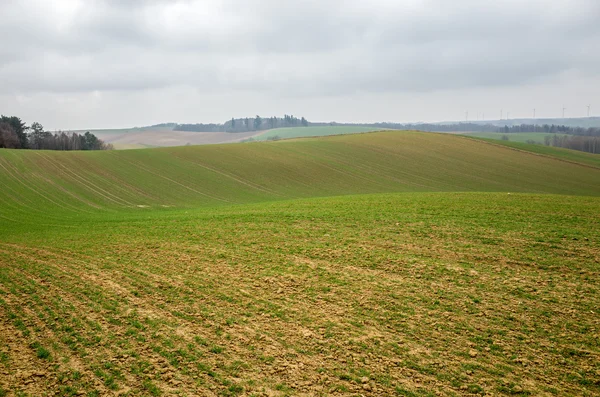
(294, 49)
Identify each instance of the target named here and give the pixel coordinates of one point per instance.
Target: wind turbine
(589, 106)
(564, 108)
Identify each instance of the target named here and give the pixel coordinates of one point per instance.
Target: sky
(82, 64)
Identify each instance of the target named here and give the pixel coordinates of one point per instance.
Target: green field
(523, 137)
(555, 152)
(393, 263)
(180, 177)
(302, 132)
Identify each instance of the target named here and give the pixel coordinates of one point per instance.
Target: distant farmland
(139, 138)
(148, 137)
(392, 263)
(301, 132)
(523, 137)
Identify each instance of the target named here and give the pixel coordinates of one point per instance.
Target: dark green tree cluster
(15, 134)
(199, 127)
(257, 123)
(68, 141)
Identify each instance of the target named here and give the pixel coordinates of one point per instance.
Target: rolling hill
(392, 263)
(301, 132)
(235, 174)
(147, 137)
(523, 137)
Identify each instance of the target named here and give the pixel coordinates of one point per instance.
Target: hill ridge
(381, 162)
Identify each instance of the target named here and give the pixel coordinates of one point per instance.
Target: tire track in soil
(232, 177)
(367, 169)
(20, 180)
(75, 196)
(136, 164)
(86, 183)
(119, 183)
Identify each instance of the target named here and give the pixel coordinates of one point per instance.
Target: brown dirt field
(132, 140)
(179, 323)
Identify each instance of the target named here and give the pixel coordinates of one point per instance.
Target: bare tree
(8, 137)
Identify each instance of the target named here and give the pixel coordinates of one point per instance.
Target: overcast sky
(73, 64)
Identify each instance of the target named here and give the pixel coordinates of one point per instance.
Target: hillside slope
(301, 132)
(37, 181)
(570, 155)
(164, 136)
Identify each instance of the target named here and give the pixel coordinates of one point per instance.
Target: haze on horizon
(73, 64)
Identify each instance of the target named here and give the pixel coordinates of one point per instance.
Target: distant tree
(199, 127)
(304, 122)
(257, 122)
(90, 142)
(13, 134)
(167, 125)
(8, 137)
(37, 136)
(244, 124)
(19, 128)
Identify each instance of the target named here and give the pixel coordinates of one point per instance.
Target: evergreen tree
(257, 123)
(19, 128)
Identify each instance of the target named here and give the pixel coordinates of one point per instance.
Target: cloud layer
(305, 50)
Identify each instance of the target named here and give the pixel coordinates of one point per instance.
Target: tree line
(15, 134)
(583, 143)
(575, 138)
(257, 123)
(506, 129)
(551, 129)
